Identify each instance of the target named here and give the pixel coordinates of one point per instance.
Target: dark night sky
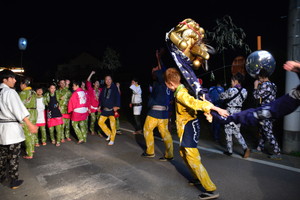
(58, 31)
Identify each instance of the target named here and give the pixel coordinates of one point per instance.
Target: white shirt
(40, 107)
(11, 109)
(136, 94)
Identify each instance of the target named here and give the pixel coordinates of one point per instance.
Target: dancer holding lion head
(188, 51)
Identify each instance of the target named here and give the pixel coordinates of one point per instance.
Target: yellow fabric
(109, 132)
(186, 108)
(191, 157)
(162, 124)
(27, 88)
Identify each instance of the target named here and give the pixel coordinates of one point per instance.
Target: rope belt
(7, 120)
(108, 109)
(136, 104)
(159, 108)
(95, 108)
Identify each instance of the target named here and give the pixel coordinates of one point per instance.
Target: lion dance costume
(188, 51)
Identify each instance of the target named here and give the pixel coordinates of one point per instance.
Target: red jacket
(93, 97)
(78, 105)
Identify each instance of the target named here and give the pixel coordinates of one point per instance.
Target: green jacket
(63, 97)
(28, 97)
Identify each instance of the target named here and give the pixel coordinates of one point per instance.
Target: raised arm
(90, 76)
(158, 55)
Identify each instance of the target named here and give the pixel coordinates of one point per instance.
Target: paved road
(94, 170)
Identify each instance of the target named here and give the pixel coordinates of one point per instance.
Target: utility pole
(291, 135)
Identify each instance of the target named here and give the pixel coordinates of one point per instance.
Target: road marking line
(294, 169)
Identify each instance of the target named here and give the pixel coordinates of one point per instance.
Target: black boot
(227, 153)
(14, 184)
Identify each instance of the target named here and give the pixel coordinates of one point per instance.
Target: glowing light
(22, 43)
(18, 70)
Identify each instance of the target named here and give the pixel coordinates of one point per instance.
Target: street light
(22, 46)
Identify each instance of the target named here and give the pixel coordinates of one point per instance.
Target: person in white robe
(12, 115)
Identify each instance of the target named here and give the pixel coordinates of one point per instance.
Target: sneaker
(69, 139)
(165, 159)
(227, 153)
(194, 182)
(209, 195)
(108, 138)
(110, 143)
(63, 141)
(44, 143)
(246, 153)
(37, 145)
(15, 184)
(27, 157)
(256, 151)
(275, 157)
(147, 155)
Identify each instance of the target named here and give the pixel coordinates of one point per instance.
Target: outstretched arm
(220, 111)
(293, 66)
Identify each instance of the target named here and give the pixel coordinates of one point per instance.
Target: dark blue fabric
(53, 110)
(274, 110)
(158, 114)
(107, 113)
(214, 94)
(160, 95)
(191, 134)
(109, 98)
(185, 66)
(280, 107)
(216, 128)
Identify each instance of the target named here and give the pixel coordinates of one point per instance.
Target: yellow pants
(112, 121)
(162, 124)
(192, 159)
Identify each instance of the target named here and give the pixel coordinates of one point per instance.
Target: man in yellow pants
(158, 115)
(188, 129)
(109, 104)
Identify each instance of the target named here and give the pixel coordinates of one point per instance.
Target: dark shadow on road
(184, 171)
(140, 140)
